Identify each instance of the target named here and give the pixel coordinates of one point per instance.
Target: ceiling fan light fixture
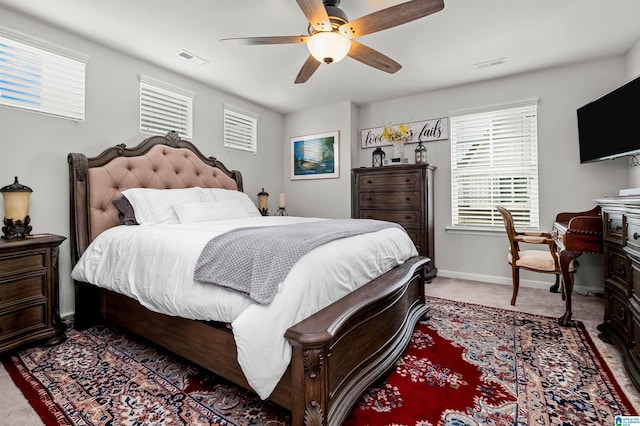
(328, 47)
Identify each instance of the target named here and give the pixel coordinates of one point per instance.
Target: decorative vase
(398, 149)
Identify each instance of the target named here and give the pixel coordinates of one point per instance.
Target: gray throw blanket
(254, 260)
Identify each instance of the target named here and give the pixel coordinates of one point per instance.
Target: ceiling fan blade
(390, 17)
(310, 66)
(373, 58)
(316, 14)
(266, 40)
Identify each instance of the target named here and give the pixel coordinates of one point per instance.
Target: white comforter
(154, 264)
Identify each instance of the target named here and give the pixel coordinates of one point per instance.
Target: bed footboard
(343, 349)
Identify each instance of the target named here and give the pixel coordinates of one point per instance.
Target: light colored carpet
(15, 410)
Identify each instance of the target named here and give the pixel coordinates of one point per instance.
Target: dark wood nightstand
(29, 301)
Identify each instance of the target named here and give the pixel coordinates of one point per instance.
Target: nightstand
(29, 301)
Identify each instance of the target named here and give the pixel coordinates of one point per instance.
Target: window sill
(475, 230)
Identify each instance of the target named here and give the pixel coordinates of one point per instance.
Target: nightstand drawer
(23, 320)
(22, 288)
(408, 219)
(389, 181)
(20, 262)
(408, 200)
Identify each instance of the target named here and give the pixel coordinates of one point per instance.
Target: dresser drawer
(25, 319)
(22, 288)
(614, 228)
(634, 332)
(616, 312)
(20, 262)
(617, 268)
(633, 235)
(408, 219)
(635, 282)
(404, 200)
(390, 181)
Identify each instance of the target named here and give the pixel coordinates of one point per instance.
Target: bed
(335, 353)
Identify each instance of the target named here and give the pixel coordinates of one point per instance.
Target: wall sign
(420, 131)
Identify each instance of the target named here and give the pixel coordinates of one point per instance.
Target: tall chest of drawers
(29, 298)
(401, 194)
(621, 235)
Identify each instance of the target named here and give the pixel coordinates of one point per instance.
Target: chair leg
(516, 284)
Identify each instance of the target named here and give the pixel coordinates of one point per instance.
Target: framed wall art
(315, 156)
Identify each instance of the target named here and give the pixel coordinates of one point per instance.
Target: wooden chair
(545, 261)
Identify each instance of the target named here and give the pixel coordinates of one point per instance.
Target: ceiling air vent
(491, 63)
(193, 58)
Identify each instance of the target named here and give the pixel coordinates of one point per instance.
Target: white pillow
(153, 206)
(221, 194)
(210, 210)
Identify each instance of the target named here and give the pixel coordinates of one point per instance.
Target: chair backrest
(511, 231)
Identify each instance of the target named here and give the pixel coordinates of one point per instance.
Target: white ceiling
(438, 51)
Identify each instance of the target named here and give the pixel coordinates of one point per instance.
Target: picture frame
(315, 156)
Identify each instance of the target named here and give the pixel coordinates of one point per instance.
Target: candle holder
(281, 202)
(16, 211)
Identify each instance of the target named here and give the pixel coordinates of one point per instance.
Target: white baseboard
(507, 281)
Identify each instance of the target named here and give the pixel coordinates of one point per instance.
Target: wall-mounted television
(609, 127)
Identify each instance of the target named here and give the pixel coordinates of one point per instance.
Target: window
(165, 108)
(240, 129)
(494, 161)
(38, 76)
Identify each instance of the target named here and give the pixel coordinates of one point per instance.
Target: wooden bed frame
(337, 353)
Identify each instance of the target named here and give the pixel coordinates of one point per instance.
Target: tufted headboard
(160, 162)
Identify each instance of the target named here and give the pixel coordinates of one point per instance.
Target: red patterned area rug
(466, 365)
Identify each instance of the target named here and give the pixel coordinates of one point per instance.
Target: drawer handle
(368, 198)
(407, 217)
(408, 198)
(407, 180)
(369, 181)
(621, 270)
(636, 235)
(618, 227)
(622, 315)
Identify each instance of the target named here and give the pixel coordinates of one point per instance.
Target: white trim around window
(42, 77)
(494, 161)
(165, 108)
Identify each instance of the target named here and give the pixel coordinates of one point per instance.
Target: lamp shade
(263, 202)
(16, 200)
(16, 210)
(328, 47)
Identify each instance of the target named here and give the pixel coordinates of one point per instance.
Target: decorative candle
(281, 200)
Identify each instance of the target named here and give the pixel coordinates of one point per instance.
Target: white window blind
(240, 129)
(494, 161)
(165, 108)
(39, 76)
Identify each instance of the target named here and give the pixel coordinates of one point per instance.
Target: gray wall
(35, 146)
(564, 184)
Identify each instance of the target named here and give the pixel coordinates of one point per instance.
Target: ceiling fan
(331, 34)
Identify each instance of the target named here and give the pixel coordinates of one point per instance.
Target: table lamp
(16, 210)
(263, 202)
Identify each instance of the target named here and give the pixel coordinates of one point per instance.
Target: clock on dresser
(29, 296)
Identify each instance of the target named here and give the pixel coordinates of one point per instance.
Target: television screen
(608, 127)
